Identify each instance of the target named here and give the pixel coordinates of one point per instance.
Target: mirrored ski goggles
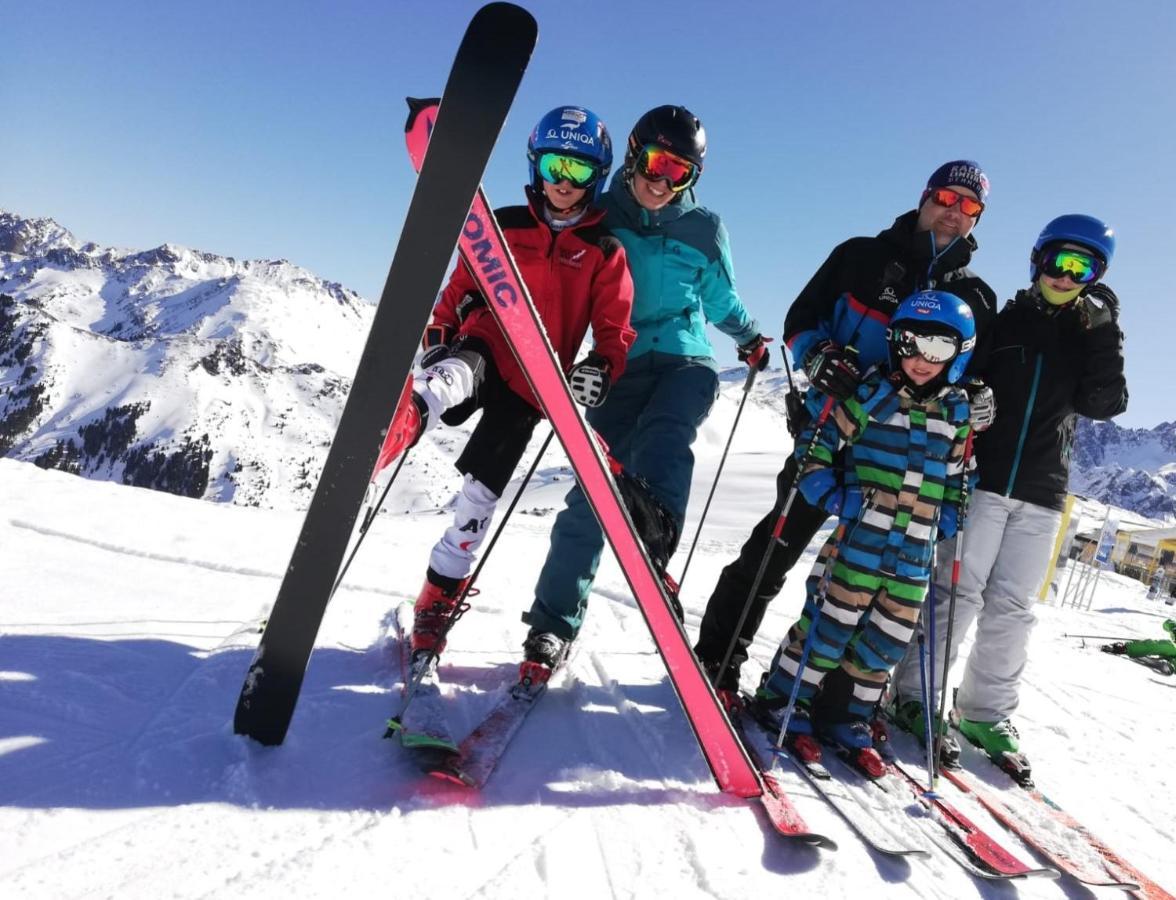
(557, 167)
(935, 348)
(949, 198)
(659, 164)
(1080, 266)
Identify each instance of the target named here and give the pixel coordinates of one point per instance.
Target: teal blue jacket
(680, 261)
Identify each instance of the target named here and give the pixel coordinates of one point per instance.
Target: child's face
(563, 196)
(919, 371)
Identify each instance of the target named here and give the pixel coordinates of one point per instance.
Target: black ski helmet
(674, 127)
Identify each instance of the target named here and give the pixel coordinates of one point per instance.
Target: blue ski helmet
(935, 313)
(574, 131)
(1092, 233)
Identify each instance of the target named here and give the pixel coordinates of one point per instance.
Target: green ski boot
(908, 716)
(1001, 742)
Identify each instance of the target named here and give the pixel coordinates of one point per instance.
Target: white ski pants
(1006, 551)
(453, 555)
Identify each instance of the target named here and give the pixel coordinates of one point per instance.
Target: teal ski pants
(649, 420)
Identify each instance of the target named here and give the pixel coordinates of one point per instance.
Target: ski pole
(420, 668)
(370, 513)
(1101, 637)
(777, 530)
(927, 677)
(953, 593)
(818, 606)
(927, 705)
(722, 461)
(368, 518)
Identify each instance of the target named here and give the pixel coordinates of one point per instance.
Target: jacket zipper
(1024, 426)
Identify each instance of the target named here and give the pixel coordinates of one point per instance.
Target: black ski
(482, 83)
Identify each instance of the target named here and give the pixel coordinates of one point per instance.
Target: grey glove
(1098, 307)
(981, 404)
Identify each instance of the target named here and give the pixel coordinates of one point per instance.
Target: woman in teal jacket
(682, 277)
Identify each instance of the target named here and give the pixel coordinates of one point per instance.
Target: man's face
(946, 223)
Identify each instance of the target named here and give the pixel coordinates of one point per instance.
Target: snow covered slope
(128, 618)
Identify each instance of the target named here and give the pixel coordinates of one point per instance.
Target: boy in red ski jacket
(577, 275)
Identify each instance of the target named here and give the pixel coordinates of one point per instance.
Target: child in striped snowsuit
(902, 436)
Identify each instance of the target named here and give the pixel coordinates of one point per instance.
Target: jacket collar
(919, 246)
(535, 203)
(626, 212)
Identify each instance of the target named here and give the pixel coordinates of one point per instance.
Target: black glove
(831, 370)
(435, 344)
(469, 301)
(1097, 307)
(981, 404)
(794, 412)
(589, 380)
(755, 353)
(1118, 648)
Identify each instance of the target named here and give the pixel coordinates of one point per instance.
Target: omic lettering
(484, 251)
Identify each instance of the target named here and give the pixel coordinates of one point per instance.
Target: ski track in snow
(124, 637)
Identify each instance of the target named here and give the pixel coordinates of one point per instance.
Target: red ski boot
(431, 614)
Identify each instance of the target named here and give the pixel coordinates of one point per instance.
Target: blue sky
(274, 129)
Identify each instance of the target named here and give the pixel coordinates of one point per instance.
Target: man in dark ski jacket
(836, 330)
(1056, 353)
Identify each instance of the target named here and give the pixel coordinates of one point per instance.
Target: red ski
(1099, 866)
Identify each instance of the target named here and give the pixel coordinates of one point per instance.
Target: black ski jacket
(1046, 369)
(852, 296)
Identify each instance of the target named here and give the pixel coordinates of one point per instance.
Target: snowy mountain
(1133, 468)
(188, 372)
(211, 377)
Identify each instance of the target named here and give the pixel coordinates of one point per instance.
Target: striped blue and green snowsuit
(901, 489)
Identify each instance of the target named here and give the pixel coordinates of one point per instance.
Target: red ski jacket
(577, 276)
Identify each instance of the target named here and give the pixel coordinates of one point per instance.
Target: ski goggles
(935, 348)
(659, 164)
(1078, 265)
(948, 198)
(557, 167)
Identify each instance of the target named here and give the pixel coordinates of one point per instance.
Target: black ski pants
(731, 593)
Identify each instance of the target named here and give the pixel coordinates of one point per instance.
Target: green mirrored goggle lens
(1082, 268)
(557, 167)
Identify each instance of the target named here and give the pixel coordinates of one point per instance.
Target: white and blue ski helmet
(571, 131)
(935, 313)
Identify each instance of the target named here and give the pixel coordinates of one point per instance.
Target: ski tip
(452, 775)
(417, 106)
(503, 13)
